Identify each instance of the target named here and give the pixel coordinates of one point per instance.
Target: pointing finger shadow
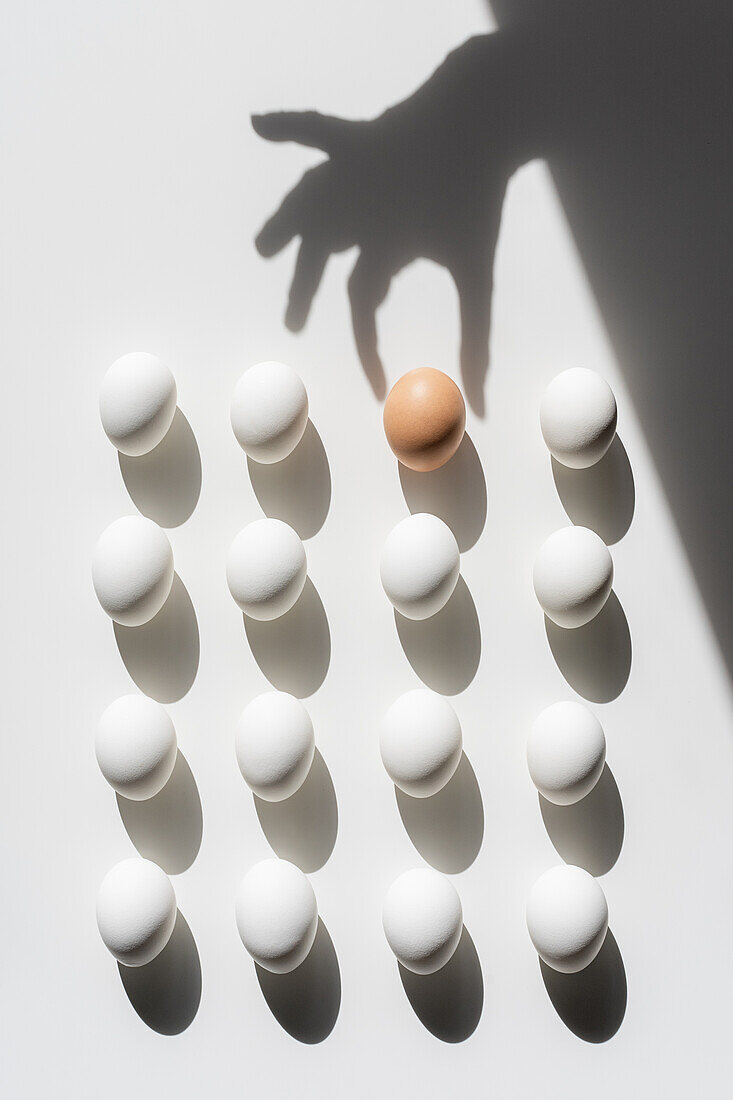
(306, 1002)
(448, 1003)
(166, 992)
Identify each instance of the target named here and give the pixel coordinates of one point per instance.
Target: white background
(132, 189)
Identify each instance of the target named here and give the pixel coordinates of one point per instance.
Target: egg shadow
(591, 1003)
(445, 649)
(595, 659)
(455, 492)
(165, 483)
(294, 651)
(448, 827)
(448, 1003)
(306, 1002)
(303, 828)
(590, 833)
(298, 489)
(166, 992)
(168, 827)
(162, 656)
(602, 497)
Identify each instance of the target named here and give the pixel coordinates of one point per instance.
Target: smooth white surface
(132, 570)
(573, 574)
(419, 566)
(420, 742)
(136, 746)
(422, 919)
(578, 417)
(566, 751)
(136, 911)
(269, 411)
(137, 401)
(277, 915)
(167, 263)
(274, 743)
(266, 569)
(567, 918)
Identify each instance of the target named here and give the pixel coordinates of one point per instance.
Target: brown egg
(424, 418)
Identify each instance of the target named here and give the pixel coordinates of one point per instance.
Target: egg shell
(424, 418)
(136, 911)
(422, 919)
(578, 417)
(136, 746)
(275, 745)
(266, 569)
(421, 742)
(566, 751)
(277, 915)
(573, 574)
(269, 411)
(567, 918)
(132, 570)
(137, 402)
(420, 565)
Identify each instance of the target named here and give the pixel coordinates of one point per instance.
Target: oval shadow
(448, 1003)
(168, 827)
(455, 493)
(166, 992)
(162, 656)
(603, 496)
(445, 649)
(306, 1002)
(298, 489)
(595, 659)
(303, 828)
(294, 651)
(589, 833)
(447, 829)
(165, 484)
(592, 1003)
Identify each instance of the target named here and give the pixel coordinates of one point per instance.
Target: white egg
(578, 417)
(266, 569)
(269, 411)
(567, 918)
(566, 751)
(132, 570)
(277, 915)
(573, 574)
(136, 746)
(274, 743)
(420, 565)
(421, 742)
(136, 911)
(137, 402)
(423, 920)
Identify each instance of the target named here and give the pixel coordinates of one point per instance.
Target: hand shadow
(166, 992)
(168, 827)
(162, 656)
(589, 833)
(303, 828)
(447, 829)
(591, 1003)
(448, 1003)
(306, 1002)
(165, 483)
